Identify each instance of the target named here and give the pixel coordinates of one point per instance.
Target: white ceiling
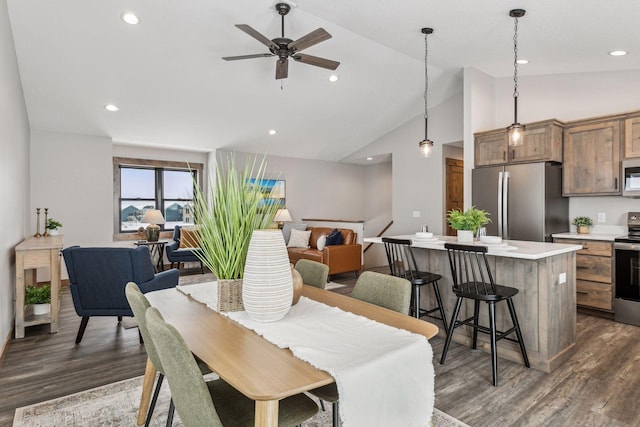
(173, 89)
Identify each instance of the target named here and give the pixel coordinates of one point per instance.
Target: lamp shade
(283, 215)
(153, 216)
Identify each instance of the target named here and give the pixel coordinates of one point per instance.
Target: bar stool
(402, 263)
(472, 279)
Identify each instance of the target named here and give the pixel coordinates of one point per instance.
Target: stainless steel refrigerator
(524, 201)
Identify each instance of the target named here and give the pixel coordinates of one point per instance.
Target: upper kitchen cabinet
(541, 141)
(592, 157)
(632, 137)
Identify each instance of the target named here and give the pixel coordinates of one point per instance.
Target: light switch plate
(602, 217)
(562, 278)
(416, 214)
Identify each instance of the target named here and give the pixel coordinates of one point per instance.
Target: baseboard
(5, 344)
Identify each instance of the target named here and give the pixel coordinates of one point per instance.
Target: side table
(32, 253)
(156, 250)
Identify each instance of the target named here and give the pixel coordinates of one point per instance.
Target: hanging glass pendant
(516, 129)
(426, 145)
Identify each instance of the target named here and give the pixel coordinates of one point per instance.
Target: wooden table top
(248, 362)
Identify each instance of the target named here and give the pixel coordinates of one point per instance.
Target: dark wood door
(454, 188)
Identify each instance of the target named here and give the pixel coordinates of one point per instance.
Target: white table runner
(384, 375)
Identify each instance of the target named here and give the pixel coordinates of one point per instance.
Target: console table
(31, 254)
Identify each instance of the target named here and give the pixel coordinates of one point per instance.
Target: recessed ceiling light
(333, 78)
(522, 61)
(130, 18)
(273, 132)
(111, 107)
(618, 53)
(369, 158)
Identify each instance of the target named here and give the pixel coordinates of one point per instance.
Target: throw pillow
(288, 226)
(321, 242)
(189, 238)
(334, 238)
(299, 239)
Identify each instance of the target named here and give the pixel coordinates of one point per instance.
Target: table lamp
(281, 216)
(153, 217)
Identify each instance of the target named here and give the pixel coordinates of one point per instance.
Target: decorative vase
(53, 232)
(153, 233)
(40, 309)
(297, 285)
(583, 229)
(267, 288)
(465, 236)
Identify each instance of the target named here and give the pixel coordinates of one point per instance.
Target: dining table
(257, 368)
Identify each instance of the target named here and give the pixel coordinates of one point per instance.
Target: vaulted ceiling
(173, 89)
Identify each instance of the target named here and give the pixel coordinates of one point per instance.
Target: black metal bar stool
(472, 279)
(402, 263)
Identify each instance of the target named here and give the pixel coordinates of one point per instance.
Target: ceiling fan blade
(256, 35)
(282, 69)
(317, 61)
(257, 55)
(314, 37)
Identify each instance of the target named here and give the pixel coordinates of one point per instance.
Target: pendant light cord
(515, 58)
(426, 86)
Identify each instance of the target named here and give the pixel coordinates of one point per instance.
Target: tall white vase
(465, 236)
(267, 286)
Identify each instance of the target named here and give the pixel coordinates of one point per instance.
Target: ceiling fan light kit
(284, 48)
(426, 145)
(516, 129)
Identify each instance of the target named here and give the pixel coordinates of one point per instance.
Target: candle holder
(37, 223)
(46, 220)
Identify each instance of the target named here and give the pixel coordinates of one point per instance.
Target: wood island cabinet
(594, 274)
(592, 158)
(541, 141)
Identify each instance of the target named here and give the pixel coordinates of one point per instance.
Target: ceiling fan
(285, 48)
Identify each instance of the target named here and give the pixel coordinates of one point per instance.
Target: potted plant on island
(226, 219)
(468, 222)
(39, 297)
(52, 226)
(582, 224)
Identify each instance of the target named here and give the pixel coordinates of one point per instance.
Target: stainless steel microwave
(631, 178)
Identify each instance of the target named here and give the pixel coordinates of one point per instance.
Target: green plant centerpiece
(582, 224)
(236, 205)
(39, 297)
(470, 220)
(52, 226)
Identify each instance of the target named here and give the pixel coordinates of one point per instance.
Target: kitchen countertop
(514, 249)
(590, 236)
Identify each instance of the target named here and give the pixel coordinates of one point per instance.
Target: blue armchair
(98, 276)
(176, 255)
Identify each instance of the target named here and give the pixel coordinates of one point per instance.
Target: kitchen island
(544, 274)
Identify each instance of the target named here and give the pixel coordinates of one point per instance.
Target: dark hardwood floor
(598, 386)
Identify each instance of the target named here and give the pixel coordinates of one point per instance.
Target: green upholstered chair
(139, 305)
(194, 398)
(313, 273)
(383, 290)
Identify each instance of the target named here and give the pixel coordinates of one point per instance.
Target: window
(140, 185)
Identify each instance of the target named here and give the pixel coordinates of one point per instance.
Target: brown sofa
(340, 258)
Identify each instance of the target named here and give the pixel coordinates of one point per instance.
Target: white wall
(378, 208)
(14, 173)
(571, 97)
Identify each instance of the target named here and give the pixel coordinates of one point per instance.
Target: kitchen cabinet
(632, 137)
(592, 158)
(541, 141)
(594, 273)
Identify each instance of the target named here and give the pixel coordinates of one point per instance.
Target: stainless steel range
(626, 304)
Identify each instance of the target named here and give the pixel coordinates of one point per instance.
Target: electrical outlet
(562, 278)
(602, 217)
(416, 214)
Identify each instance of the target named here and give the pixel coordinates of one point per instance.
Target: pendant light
(515, 130)
(426, 146)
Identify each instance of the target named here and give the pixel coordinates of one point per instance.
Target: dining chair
(139, 305)
(472, 279)
(313, 273)
(194, 398)
(382, 290)
(402, 263)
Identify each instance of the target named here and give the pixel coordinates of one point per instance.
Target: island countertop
(513, 249)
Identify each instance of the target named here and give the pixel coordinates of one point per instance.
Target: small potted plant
(39, 297)
(52, 226)
(582, 224)
(468, 222)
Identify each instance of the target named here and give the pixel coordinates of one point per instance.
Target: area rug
(117, 405)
